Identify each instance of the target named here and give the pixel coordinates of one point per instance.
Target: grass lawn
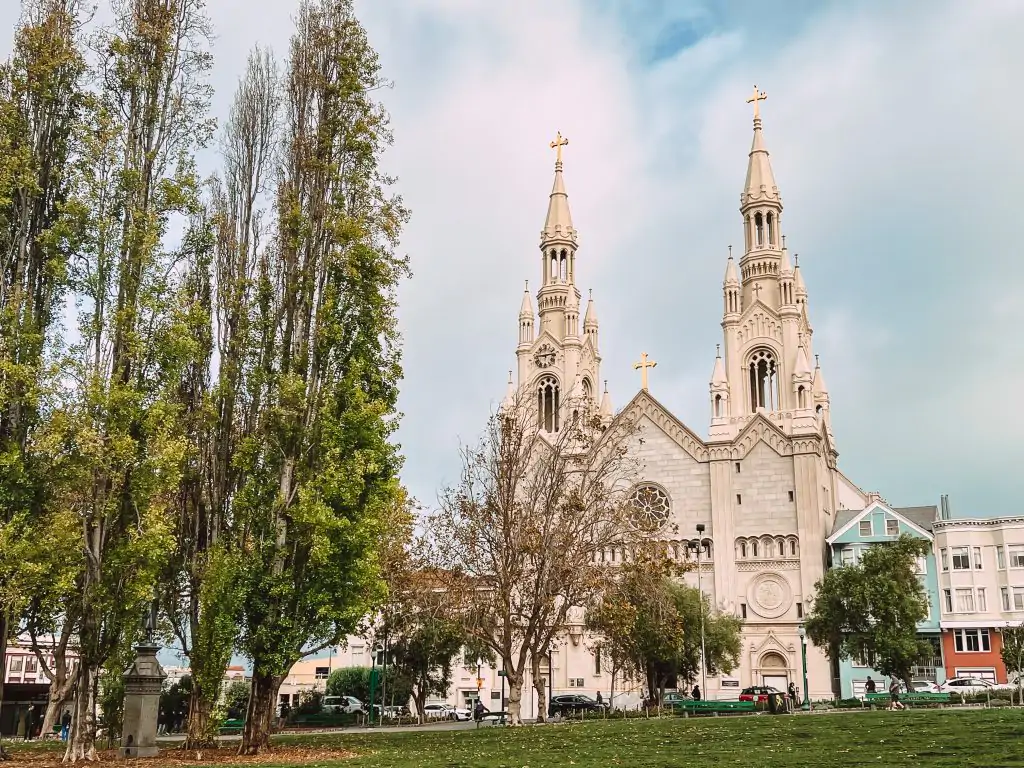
(989, 738)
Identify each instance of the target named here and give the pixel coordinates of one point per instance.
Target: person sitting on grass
(894, 695)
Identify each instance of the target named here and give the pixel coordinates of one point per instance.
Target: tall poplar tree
(319, 470)
(40, 103)
(123, 443)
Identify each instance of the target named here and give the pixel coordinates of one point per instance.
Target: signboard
(501, 673)
(730, 683)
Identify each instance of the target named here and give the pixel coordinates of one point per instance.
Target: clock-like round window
(651, 506)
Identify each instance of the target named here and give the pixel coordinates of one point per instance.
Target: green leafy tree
(120, 430)
(236, 697)
(1012, 653)
(650, 623)
(319, 467)
(355, 681)
(41, 101)
(871, 610)
(200, 597)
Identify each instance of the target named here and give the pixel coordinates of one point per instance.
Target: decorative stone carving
(768, 565)
(769, 595)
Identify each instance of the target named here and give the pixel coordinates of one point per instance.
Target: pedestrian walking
(791, 698)
(65, 725)
(894, 695)
(695, 693)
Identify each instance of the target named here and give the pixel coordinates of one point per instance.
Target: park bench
(710, 707)
(231, 727)
(923, 698)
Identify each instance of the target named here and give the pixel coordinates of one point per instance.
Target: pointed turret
(718, 374)
(785, 267)
(731, 290)
(590, 319)
(510, 395)
(606, 413)
(820, 388)
(803, 365)
(799, 289)
(526, 318)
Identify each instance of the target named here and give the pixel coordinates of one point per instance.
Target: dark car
(572, 703)
(759, 693)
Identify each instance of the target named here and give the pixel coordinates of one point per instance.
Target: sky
(894, 132)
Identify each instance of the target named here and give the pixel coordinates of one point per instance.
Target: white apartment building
(981, 590)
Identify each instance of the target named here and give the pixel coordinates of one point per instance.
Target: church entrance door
(781, 682)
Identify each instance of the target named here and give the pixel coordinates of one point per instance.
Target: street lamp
(806, 705)
(700, 590)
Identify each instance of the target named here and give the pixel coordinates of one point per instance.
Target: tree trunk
(515, 698)
(419, 698)
(60, 692)
(200, 733)
(82, 741)
(539, 686)
(3, 673)
(611, 689)
(259, 716)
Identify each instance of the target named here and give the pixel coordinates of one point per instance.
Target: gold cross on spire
(643, 365)
(559, 142)
(756, 97)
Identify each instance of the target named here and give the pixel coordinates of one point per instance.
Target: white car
(342, 704)
(446, 712)
(925, 686)
(966, 686)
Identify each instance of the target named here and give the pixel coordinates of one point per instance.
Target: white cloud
(894, 137)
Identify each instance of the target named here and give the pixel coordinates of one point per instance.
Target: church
(763, 487)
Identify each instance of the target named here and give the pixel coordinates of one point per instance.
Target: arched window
(588, 393)
(819, 410)
(801, 397)
(563, 267)
(769, 547)
(718, 406)
(747, 232)
(764, 380)
(753, 548)
(792, 547)
(771, 229)
(547, 403)
(553, 267)
(759, 229)
(743, 549)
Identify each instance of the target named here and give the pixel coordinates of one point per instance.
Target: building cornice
(989, 522)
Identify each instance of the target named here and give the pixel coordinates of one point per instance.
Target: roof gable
(851, 518)
(643, 404)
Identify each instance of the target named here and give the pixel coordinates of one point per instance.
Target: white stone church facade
(764, 482)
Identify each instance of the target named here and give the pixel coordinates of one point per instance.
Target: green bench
(910, 698)
(231, 727)
(708, 706)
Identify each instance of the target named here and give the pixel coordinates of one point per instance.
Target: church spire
(526, 318)
(761, 207)
(558, 229)
(760, 179)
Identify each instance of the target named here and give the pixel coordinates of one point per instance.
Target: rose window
(651, 505)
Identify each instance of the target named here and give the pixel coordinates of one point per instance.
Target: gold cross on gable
(758, 96)
(559, 142)
(643, 365)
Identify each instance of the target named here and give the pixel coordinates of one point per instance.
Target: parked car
(673, 699)
(446, 712)
(759, 693)
(342, 704)
(966, 686)
(925, 686)
(572, 703)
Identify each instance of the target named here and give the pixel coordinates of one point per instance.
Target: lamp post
(806, 704)
(700, 590)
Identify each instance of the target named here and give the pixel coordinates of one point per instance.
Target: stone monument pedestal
(143, 681)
